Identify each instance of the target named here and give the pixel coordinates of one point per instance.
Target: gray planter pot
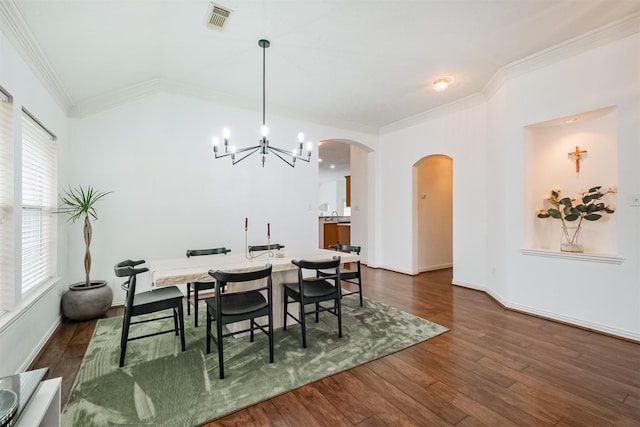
(80, 302)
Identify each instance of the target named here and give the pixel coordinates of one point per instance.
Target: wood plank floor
(494, 367)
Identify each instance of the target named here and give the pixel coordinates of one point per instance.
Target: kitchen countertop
(338, 219)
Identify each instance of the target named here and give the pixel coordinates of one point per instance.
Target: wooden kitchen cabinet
(330, 234)
(344, 234)
(348, 196)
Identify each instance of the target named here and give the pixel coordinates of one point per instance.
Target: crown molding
(452, 107)
(21, 37)
(140, 90)
(115, 98)
(599, 37)
(17, 31)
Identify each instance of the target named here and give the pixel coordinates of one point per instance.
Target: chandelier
(263, 147)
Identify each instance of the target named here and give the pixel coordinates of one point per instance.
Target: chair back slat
(126, 269)
(225, 277)
(256, 248)
(317, 265)
(213, 251)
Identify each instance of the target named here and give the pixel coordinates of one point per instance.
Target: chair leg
(124, 318)
(125, 338)
(270, 335)
(181, 321)
(252, 324)
(196, 296)
(317, 312)
(189, 299)
(304, 326)
(286, 302)
(339, 312)
(360, 290)
(209, 318)
(176, 326)
(220, 358)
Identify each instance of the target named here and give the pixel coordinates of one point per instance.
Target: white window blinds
(7, 278)
(39, 186)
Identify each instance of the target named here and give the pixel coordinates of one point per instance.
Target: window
(39, 186)
(7, 281)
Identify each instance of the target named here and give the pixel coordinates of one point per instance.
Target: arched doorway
(433, 195)
(349, 197)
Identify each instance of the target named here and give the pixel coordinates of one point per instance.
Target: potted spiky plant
(91, 298)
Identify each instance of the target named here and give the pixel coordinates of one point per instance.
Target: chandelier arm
(232, 153)
(234, 161)
(290, 154)
(275, 152)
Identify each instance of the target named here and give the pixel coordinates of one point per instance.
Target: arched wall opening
(354, 194)
(433, 213)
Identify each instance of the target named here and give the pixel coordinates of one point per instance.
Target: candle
(269, 229)
(246, 224)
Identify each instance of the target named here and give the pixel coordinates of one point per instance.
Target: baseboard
(436, 267)
(555, 317)
(43, 341)
(584, 324)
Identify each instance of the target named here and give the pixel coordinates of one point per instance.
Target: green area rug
(162, 386)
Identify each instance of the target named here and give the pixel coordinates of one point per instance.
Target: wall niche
(548, 165)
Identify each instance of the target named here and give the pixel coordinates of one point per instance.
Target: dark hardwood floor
(494, 367)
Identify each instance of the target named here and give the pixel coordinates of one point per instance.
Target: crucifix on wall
(577, 155)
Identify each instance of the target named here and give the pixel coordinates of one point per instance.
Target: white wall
(25, 330)
(486, 141)
(460, 135)
(334, 194)
(360, 200)
(601, 296)
(171, 194)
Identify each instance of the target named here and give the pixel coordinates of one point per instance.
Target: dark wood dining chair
(139, 303)
(313, 289)
(349, 275)
(236, 306)
(200, 286)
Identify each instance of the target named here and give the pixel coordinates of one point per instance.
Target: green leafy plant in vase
(589, 206)
(79, 203)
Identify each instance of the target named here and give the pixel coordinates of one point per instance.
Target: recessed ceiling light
(333, 166)
(572, 120)
(319, 160)
(442, 83)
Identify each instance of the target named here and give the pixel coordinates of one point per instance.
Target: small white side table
(43, 408)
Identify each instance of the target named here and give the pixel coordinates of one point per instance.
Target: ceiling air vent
(217, 16)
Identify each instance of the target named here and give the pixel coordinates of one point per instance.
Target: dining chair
(239, 305)
(348, 275)
(139, 303)
(312, 289)
(200, 286)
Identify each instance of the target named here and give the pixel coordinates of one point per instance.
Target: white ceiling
(356, 64)
(336, 161)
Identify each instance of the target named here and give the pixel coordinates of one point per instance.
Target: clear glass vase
(571, 240)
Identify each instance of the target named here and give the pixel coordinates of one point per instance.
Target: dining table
(180, 271)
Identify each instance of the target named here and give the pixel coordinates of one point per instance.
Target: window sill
(586, 256)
